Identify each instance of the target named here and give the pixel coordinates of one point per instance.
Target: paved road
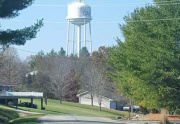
(73, 119)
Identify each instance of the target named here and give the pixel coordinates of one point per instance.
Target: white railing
(22, 94)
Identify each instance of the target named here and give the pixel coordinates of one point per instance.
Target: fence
(22, 94)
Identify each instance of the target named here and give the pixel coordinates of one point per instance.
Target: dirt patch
(23, 114)
(174, 118)
(157, 117)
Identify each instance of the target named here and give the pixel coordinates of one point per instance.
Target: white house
(85, 98)
(32, 73)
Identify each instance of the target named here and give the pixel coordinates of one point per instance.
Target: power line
(22, 50)
(26, 51)
(101, 22)
(114, 5)
(152, 20)
(61, 22)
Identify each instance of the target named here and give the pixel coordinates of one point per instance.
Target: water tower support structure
(67, 44)
(79, 14)
(90, 37)
(78, 39)
(74, 31)
(84, 33)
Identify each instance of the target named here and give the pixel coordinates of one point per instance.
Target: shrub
(177, 112)
(9, 114)
(154, 111)
(143, 110)
(3, 119)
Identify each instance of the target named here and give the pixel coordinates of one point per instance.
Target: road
(73, 119)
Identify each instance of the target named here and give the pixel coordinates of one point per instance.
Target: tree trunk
(131, 108)
(99, 106)
(60, 102)
(91, 100)
(164, 115)
(129, 114)
(60, 99)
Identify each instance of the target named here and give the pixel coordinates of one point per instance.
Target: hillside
(53, 107)
(9, 116)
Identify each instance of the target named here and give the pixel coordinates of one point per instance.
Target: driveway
(73, 119)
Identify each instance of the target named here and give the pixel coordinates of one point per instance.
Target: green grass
(26, 120)
(6, 115)
(9, 116)
(54, 107)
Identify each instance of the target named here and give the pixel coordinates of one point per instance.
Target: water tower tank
(79, 13)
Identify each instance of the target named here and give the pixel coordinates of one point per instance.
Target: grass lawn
(54, 107)
(25, 120)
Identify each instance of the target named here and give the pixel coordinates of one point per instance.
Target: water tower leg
(67, 44)
(73, 39)
(90, 38)
(78, 40)
(84, 33)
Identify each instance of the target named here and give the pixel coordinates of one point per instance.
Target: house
(7, 95)
(32, 73)
(85, 98)
(6, 87)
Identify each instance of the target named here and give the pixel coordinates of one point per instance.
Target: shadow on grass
(57, 112)
(77, 121)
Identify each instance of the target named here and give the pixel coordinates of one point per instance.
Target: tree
(52, 53)
(62, 52)
(71, 87)
(84, 52)
(89, 79)
(52, 72)
(10, 9)
(10, 68)
(98, 59)
(147, 64)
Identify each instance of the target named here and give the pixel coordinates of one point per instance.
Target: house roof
(82, 94)
(87, 92)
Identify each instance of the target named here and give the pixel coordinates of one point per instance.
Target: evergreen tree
(10, 9)
(147, 64)
(84, 52)
(52, 53)
(62, 52)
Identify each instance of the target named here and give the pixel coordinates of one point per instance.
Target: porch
(14, 96)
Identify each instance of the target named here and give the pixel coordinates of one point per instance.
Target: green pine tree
(147, 64)
(9, 9)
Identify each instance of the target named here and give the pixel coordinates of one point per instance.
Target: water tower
(79, 15)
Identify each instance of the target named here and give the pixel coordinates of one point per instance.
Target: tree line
(58, 76)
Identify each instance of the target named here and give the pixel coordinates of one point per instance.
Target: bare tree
(71, 87)
(10, 67)
(23, 70)
(56, 68)
(98, 59)
(89, 79)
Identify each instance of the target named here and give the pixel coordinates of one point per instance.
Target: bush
(154, 111)
(143, 110)
(177, 112)
(3, 119)
(9, 114)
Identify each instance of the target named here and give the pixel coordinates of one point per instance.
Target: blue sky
(106, 16)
